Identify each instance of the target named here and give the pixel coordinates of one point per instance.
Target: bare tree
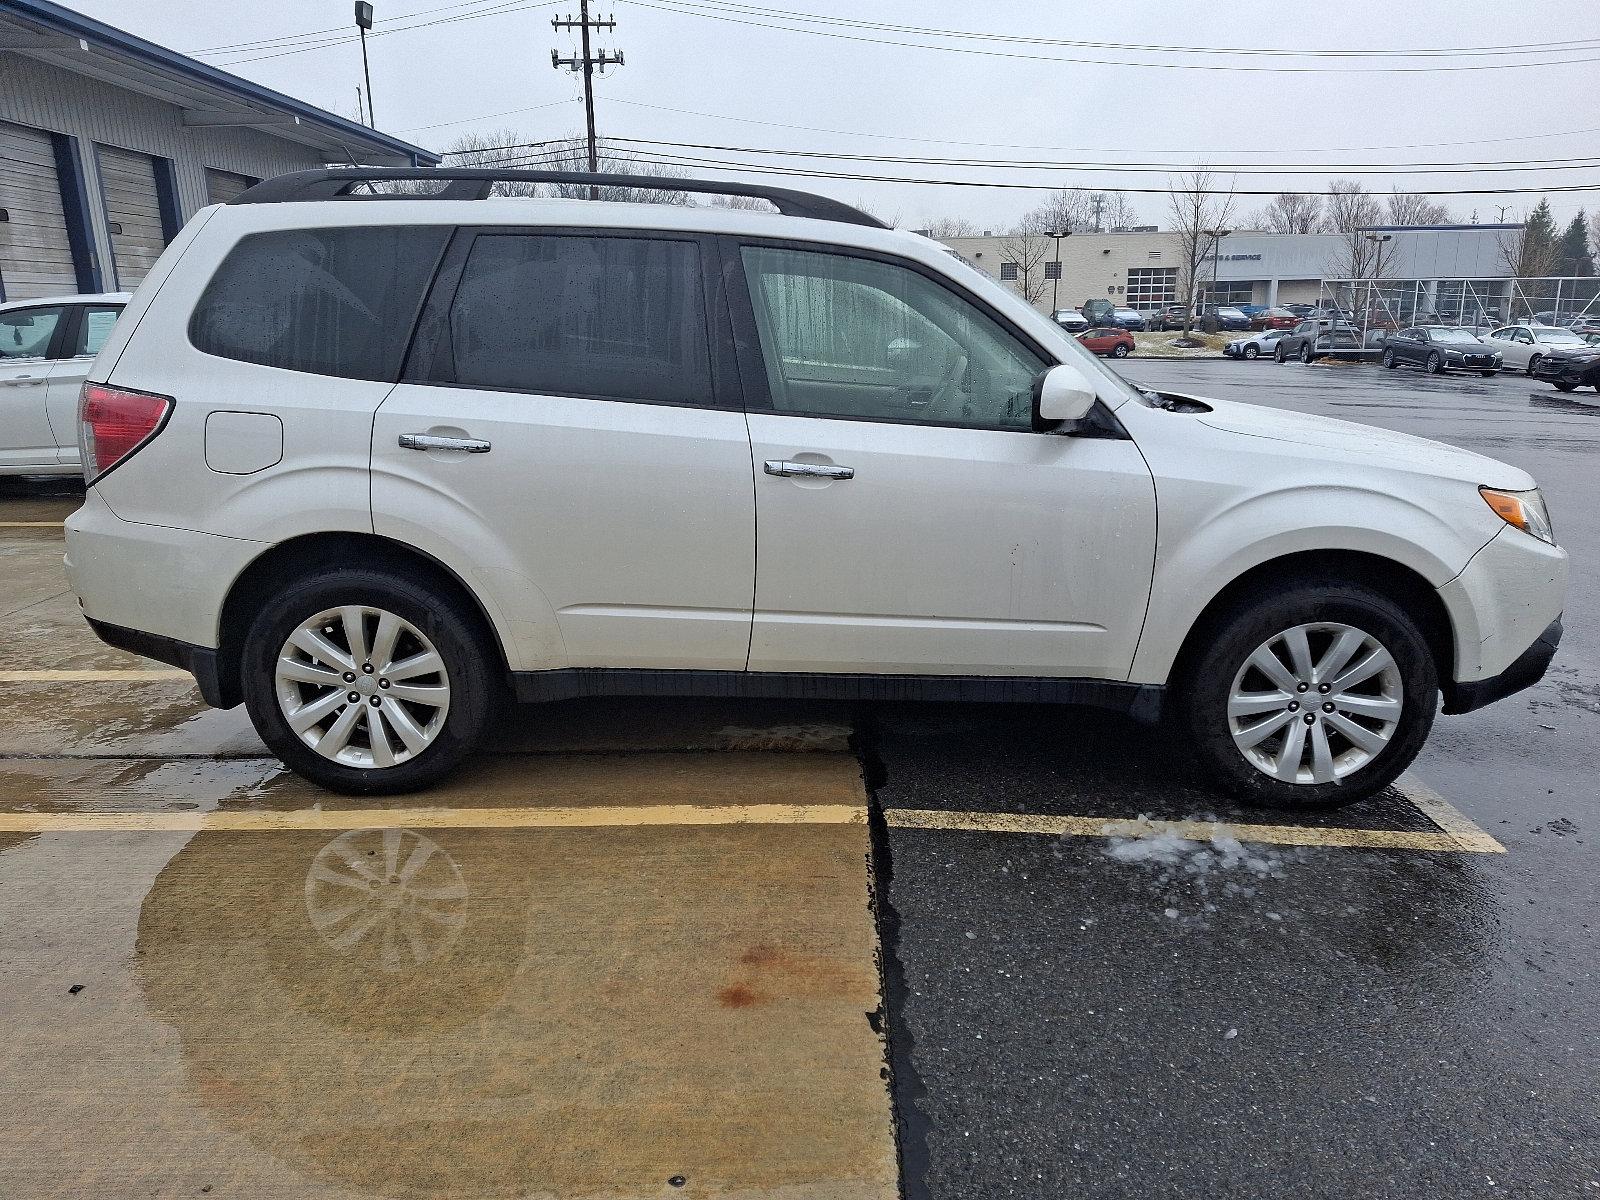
(1028, 249)
(1082, 211)
(1200, 207)
(942, 228)
(1289, 212)
(1351, 212)
(1531, 249)
(1409, 208)
(572, 154)
(1116, 212)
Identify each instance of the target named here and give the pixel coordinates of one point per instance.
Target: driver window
(26, 333)
(1525, 337)
(853, 337)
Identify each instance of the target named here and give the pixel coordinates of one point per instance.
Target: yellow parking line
(433, 818)
(1197, 831)
(91, 676)
(1447, 816)
(30, 524)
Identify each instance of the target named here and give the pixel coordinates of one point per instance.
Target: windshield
(1458, 337)
(1560, 337)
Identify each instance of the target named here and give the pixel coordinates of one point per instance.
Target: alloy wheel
(362, 687)
(1315, 703)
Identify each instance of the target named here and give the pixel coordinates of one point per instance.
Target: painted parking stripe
(1197, 831)
(599, 817)
(137, 675)
(30, 524)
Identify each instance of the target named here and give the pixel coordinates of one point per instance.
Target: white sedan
(1524, 345)
(46, 347)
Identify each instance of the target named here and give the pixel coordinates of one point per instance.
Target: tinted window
(326, 301)
(610, 317)
(855, 337)
(26, 332)
(95, 328)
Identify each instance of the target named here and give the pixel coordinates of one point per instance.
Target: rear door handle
(23, 381)
(786, 469)
(428, 441)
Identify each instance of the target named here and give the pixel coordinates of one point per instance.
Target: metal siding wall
(51, 99)
(35, 250)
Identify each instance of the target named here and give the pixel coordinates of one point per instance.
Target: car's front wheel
(1120, 350)
(367, 682)
(1563, 385)
(1533, 363)
(1389, 360)
(1311, 695)
(1252, 351)
(1435, 364)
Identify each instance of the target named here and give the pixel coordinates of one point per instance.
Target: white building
(108, 143)
(1142, 270)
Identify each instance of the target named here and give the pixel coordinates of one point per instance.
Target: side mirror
(1061, 394)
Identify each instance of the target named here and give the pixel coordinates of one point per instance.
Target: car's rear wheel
(1563, 385)
(365, 682)
(1252, 351)
(1435, 364)
(1389, 360)
(1313, 695)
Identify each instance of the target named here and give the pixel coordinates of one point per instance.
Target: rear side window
(613, 318)
(94, 328)
(325, 301)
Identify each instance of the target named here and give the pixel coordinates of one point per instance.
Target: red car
(1274, 318)
(1118, 343)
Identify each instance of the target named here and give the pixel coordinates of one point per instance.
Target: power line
(1452, 168)
(484, 117)
(1513, 48)
(508, 6)
(897, 137)
(662, 158)
(285, 39)
(699, 8)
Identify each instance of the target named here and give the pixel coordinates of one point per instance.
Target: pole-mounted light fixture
(364, 23)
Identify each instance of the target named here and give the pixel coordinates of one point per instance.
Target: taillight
(114, 422)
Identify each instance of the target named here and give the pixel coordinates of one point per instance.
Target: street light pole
(364, 23)
(1216, 236)
(1055, 290)
(1377, 239)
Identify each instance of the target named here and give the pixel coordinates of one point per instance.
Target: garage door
(35, 256)
(222, 186)
(133, 213)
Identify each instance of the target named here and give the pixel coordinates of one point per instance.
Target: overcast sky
(480, 59)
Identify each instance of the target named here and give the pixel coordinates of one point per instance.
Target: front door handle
(429, 441)
(786, 469)
(23, 381)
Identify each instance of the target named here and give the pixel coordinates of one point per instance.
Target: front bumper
(1526, 671)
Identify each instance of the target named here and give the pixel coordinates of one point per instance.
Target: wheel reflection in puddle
(390, 894)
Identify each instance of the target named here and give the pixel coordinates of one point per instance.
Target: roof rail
(475, 183)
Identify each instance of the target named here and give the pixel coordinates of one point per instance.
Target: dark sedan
(1569, 370)
(1440, 348)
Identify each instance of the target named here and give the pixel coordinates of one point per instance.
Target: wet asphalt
(1098, 1017)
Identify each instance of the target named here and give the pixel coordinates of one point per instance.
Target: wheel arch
(292, 559)
(1385, 575)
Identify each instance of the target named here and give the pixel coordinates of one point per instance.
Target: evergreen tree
(1536, 251)
(1572, 251)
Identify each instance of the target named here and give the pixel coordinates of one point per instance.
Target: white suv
(374, 464)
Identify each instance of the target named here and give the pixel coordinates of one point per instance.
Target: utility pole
(1099, 202)
(364, 23)
(587, 62)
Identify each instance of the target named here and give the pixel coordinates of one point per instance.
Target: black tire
(475, 680)
(1563, 386)
(1252, 351)
(1201, 696)
(1435, 364)
(1280, 356)
(1120, 350)
(1389, 360)
(1306, 353)
(1488, 374)
(1532, 363)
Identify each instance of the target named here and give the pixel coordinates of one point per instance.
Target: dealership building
(1431, 266)
(109, 143)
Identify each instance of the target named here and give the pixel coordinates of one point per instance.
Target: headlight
(1525, 510)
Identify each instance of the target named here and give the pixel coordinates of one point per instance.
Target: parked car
(1229, 318)
(1108, 340)
(1071, 320)
(1254, 346)
(1274, 318)
(1251, 310)
(1170, 317)
(46, 347)
(1569, 370)
(1127, 318)
(1440, 348)
(364, 468)
(1524, 345)
(1311, 340)
(1301, 310)
(1585, 325)
(1098, 312)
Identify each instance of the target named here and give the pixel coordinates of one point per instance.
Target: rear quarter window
(338, 302)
